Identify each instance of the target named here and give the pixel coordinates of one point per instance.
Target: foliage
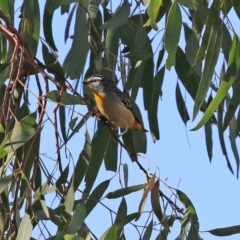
(37, 95)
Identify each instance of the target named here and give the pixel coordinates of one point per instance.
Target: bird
(113, 104)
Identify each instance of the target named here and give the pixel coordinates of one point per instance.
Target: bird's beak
(84, 82)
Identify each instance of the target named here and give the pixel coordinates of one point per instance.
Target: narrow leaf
(172, 34)
(125, 191)
(213, 50)
(78, 218)
(227, 231)
(95, 196)
(119, 17)
(25, 228)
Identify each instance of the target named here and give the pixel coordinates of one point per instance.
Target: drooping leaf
(125, 174)
(236, 7)
(188, 204)
(153, 10)
(75, 60)
(213, 16)
(229, 78)
(119, 17)
(111, 153)
(172, 34)
(31, 24)
(208, 139)
(78, 218)
(4, 182)
(25, 228)
(69, 202)
(121, 214)
(82, 163)
(53, 65)
(97, 154)
(93, 8)
(95, 196)
(182, 109)
(49, 9)
(192, 4)
(148, 231)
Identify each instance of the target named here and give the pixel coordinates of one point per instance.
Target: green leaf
(5, 69)
(221, 137)
(191, 4)
(227, 231)
(121, 213)
(153, 112)
(123, 221)
(111, 153)
(110, 234)
(182, 109)
(148, 231)
(125, 174)
(172, 34)
(76, 58)
(97, 154)
(236, 7)
(82, 163)
(148, 84)
(213, 50)
(95, 196)
(68, 23)
(185, 225)
(4, 182)
(49, 8)
(229, 78)
(135, 78)
(53, 65)
(112, 44)
(153, 10)
(31, 24)
(78, 218)
(208, 139)
(64, 99)
(232, 137)
(226, 6)
(226, 41)
(42, 190)
(119, 17)
(62, 178)
(213, 16)
(20, 139)
(93, 8)
(7, 6)
(44, 208)
(69, 202)
(62, 120)
(125, 191)
(160, 57)
(3, 153)
(188, 204)
(25, 228)
(72, 237)
(72, 123)
(193, 233)
(139, 55)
